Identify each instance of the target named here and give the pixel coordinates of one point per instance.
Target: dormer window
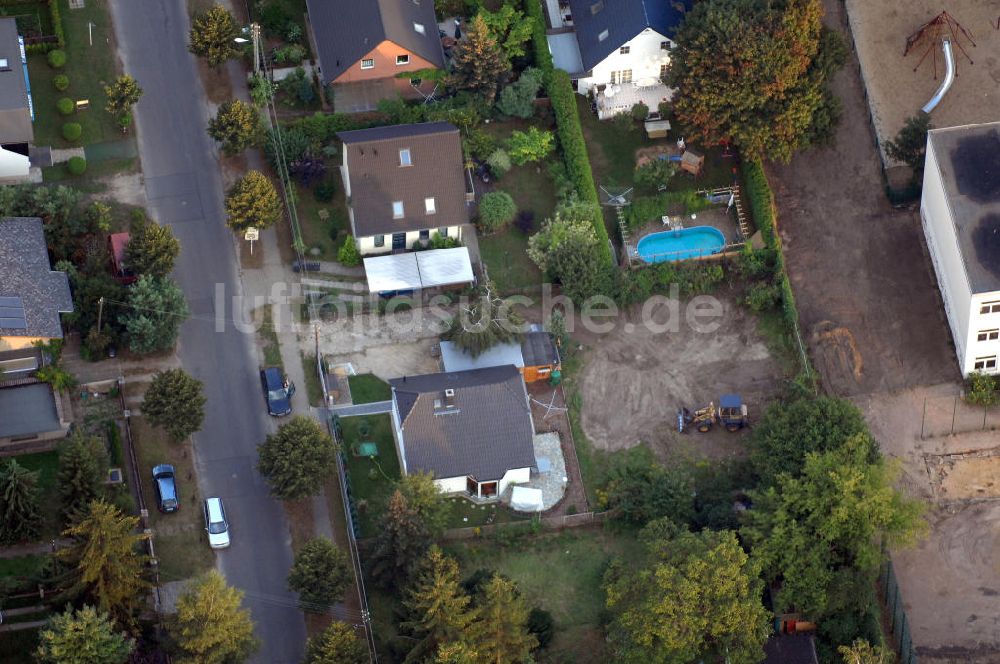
(601, 37)
(397, 209)
(404, 157)
(419, 27)
(430, 206)
(403, 59)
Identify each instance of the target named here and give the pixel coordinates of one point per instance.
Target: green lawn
(27, 567)
(325, 234)
(47, 465)
(269, 339)
(16, 647)
(368, 388)
(313, 388)
(507, 261)
(89, 69)
(372, 480)
(177, 537)
(33, 18)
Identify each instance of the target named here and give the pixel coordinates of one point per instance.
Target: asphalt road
(185, 191)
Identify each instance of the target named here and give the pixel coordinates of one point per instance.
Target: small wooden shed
(541, 356)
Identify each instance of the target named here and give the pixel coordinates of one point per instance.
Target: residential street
(185, 191)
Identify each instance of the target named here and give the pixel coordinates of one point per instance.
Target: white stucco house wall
(960, 214)
(619, 49)
(471, 430)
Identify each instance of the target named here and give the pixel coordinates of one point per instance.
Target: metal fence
(946, 416)
(898, 624)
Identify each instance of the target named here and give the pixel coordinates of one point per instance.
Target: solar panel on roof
(12, 313)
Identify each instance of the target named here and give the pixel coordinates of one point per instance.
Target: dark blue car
(277, 391)
(166, 488)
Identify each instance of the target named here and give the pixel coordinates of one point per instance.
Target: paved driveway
(185, 191)
(870, 310)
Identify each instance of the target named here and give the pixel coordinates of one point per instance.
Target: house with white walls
(404, 183)
(619, 49)
(960, 213)
(472, 430)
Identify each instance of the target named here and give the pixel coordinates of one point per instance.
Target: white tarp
(395, 272)
(524, 499)
(444, 267)
(456, 359)
(418, 269)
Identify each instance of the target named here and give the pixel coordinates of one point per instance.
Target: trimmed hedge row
(57, 28)
(761, 200)
(570, 132)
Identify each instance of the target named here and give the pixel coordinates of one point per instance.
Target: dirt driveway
(635, 379)
(868, 300)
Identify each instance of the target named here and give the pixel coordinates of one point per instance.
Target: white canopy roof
(525, 499)
(419, 269)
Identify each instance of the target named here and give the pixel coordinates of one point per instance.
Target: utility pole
(100, 311)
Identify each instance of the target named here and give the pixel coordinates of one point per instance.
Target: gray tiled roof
(790, 649)
(27, 410)
(377, 179)
(623, 19)
(15, 118)
(25, 273)
(538, 349)
(346, 30)
(487, 432)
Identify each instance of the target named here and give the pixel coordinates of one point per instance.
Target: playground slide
(949, 77)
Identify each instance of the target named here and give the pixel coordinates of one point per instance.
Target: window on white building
(663, 71)
(379, 240)
(624, 50)
(397, 209)
(988, 335)
(664, 46)
(368, 63)
(990, 308)
(982, 363)
(626, 76)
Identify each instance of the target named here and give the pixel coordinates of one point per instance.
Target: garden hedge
(72, 131)
(56, 58)
(76, 165)
(57, 27)
(60, 82)
(570, 132)
(65, 106)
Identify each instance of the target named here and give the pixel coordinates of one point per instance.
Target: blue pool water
(681, 244)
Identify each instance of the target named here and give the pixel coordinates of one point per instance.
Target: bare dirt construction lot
(896, 92)
(868, 301)
(950, 581)
(635, 378)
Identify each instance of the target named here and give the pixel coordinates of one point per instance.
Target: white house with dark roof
(16, 111)
(472, 430)
(618, 48)
(960, 213)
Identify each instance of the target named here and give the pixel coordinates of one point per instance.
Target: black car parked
(166, 488)
(277, 391)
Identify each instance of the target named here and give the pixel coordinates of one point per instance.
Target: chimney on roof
(449, 398)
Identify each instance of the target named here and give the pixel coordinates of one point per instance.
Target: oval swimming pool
(681, 244)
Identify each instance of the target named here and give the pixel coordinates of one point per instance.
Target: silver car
(215, 523)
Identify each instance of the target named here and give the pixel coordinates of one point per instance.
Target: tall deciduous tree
(83, 636)
(235, 126)
(837, 514)
(567, 250)
(20, 519)
(691, 597)
(123, 93)
(788, 431)
(320, 575)
(483, 323)
(426, 498)
(510, 28)
(401, 542)
(499, 633)
(152, 249)
(862, 652)
(297, 459)
(756, 73)
(438, 606)
(156, 309)
(213, 35)
(83, 466)
(108, 568)
(252, 202)
(211, 626)
(478, 62)
(338, 644)
(174, 401)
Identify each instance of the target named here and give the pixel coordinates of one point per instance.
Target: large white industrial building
(960, 212)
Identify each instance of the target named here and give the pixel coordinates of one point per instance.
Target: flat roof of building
(969, 160)
(15, 115)
(27, 410)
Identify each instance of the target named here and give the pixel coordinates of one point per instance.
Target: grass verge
(177, 537)
(313, 388)
(46, 464)
(269, 339)
(368, 388)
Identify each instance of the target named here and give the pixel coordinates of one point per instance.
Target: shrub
(480, 145)
(292, 54)
(348, 253)
(57, 59)
(531, 145)
(325, 190)
(499, 162)
(439, 241)
(76, 165)
(496, 210)
(640, 111)
(652, 175)
(761, 296)
(65, 105)
(981, 389)
(72, 131)
(60, 82)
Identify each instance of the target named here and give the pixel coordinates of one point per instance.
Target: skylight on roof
(596, 7)
(602, 36)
